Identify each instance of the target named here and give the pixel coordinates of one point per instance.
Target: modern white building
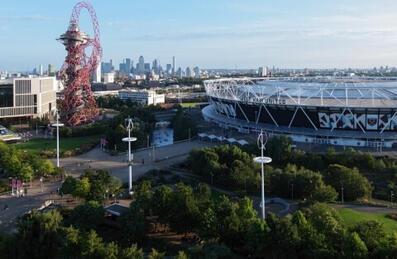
(147, 97)
(27, 97)
(108, 78)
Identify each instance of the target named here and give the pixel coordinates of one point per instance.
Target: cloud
(30, 18)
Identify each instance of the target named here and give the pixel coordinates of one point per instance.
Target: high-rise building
(262, 71)
(147, 68)
(107, 67)
(173, 65)
(189, 72)
(128, 66)
(197, 72)
(51, 70)
(155, 67)
(141, 65)
(41, 70)
(179, 73)
(122, 68)
(168, 69)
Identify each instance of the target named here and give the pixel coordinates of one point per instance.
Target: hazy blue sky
(210, 33)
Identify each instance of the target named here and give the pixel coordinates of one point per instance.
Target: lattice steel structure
(78, 106)
(362, 109)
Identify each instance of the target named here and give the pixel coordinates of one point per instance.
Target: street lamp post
(262, 139)
(129, 139)
(57, 125)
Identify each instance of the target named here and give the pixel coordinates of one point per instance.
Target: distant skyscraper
(197, 72)
(168, 69)
(107, 67)
(122, 68)
(155, 66)
(147, 68)
(262, 71)
(141, 65)
(41, 71)
(51, 70)
(179, 73)
(128, 66)
(173, 65)
(188, 72)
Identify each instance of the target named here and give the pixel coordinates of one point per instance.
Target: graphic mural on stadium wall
(357, 121)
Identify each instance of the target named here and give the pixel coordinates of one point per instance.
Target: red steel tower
(78, 106)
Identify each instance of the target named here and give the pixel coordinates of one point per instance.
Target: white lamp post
(262, 139)
(57, 125)
(129, 139)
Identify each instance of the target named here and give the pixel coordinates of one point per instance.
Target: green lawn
(190, 105)
(65, 144)
(351, 217)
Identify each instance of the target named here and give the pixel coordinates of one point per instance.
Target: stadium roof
(327, 92)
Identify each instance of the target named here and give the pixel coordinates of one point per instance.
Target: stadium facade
(337, 111)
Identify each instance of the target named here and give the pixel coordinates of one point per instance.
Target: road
(96, 159)
(143, 160)
(18, 206)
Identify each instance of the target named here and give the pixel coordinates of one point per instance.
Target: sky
(209, 33)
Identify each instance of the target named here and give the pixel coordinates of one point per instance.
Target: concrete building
(27, 97)
(262, 71)
(108, 78)
(147, 97)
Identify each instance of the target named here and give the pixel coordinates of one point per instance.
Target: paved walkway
(17, 206)
(143, 160)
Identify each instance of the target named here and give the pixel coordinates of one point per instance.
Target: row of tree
(92, 186)
(313, 232)
(23, 165)
(233, 168)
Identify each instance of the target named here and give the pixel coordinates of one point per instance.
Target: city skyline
(209, 34)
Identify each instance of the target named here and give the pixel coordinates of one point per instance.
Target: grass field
(190, 105)
(351, 217)
(65, 144)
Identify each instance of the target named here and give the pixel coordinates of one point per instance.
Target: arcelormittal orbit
(78, 106)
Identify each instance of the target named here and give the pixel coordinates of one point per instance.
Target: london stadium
(359, 112)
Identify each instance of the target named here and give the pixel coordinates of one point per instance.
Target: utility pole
(129, 139)
(262, 140)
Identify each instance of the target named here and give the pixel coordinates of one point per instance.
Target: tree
(45, 168)
(155, 254)
(82, 188)
(38, 235)
(184, 210)
(355, 186)
(131, 252)
(133, 225)
(325, 193)
(69, 185)
(182, 255)
(354, 247)
(371, 232)
(143, 196)
(279, 148)
(87, 216)
(92, 246)
(25, 173)
(256, 237)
